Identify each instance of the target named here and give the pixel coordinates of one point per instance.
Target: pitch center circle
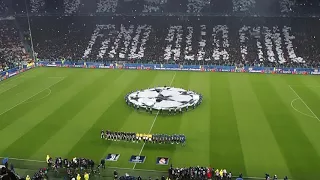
(164, 98)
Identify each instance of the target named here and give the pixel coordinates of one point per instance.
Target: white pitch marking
(48, 94)
(298, 110)
(28, 76)
(304, 103)
(154, 120)
(57, 77)
(7, 81)
(9, 88)
(305, 86)
(28, 160)
(29, 98)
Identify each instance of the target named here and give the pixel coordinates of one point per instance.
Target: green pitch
(249, 123)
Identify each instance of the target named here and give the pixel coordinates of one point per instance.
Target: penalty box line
(22, 102)
(304, 103)
(154, 120)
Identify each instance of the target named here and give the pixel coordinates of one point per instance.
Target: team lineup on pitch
(154, 120)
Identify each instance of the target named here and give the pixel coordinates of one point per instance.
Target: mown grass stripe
(58, 118)
(310, 96)
(84, 120)
(194, 125)
(21, 93)
(21, 83)
(137, 121)
(43, 109)
(171, 123)
(7, 87)
(113, 118)
(300, 156)
(224, 127)
(10, 115)
(15, 80)
(308, 124)
(255, 132)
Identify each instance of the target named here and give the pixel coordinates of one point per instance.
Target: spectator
(86, 176)
(6, 165)
(103, 163)
(115, 174)
(12, 168)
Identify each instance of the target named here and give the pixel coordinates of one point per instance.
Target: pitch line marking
(29, 98)
(57, 77)
(154, 120)
(14, 78)
(315, 116)
(313, 86)
(8, 89)
(48, 94)
(298, 110)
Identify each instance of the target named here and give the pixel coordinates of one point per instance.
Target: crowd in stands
(225, 7)
(161, 39)
(195, 40)
(12, 50)
(37, 5)
(3, 8)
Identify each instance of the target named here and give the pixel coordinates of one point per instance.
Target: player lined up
(137, 137)
(117, 136)
(169, 139)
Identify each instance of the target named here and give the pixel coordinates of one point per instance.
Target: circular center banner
(164, 98)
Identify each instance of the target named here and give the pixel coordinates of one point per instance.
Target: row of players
(136, 137)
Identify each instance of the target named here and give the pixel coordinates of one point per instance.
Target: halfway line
(154, 120)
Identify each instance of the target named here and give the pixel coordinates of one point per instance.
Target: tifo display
(136, 137)
(169, 99)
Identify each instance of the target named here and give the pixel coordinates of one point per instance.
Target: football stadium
(159, 89)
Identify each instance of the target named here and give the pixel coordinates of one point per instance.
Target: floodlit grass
(249, 123)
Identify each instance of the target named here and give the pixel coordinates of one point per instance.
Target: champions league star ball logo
(164, 98)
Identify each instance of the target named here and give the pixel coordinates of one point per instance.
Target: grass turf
(249, 123)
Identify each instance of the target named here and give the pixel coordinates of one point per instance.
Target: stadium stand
(193, 40)
(3, 8)
(228, 32)
(12, 50)
(203, 7)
